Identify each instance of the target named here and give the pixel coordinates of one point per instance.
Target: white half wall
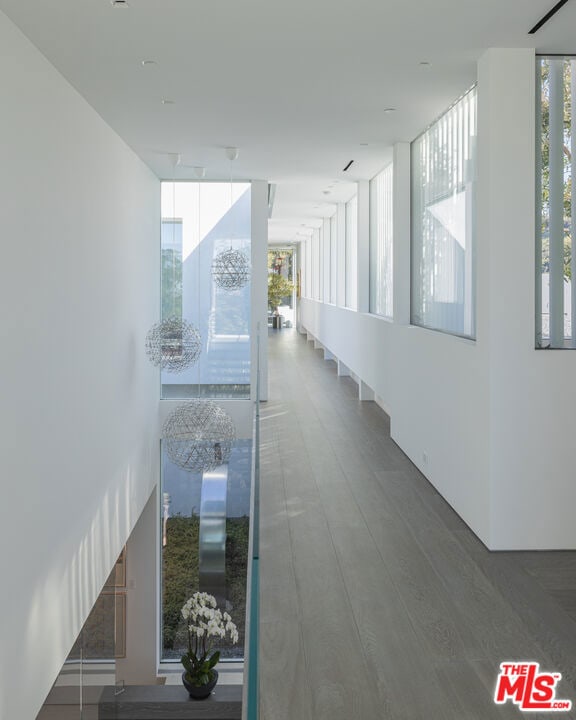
(434, 387)
(79, 287)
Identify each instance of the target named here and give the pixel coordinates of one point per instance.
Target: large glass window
(333, 258)
(205, 522)
(381, 247)
(325, 251)
(199, 221)
(443, 224)
(555, 298)
(341, 255)
(352, 253)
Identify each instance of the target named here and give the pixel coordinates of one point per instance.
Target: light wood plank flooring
(377, 601)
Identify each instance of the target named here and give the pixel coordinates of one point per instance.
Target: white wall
(79, 275)
(532, 392)
(494, 418)
(434, 388)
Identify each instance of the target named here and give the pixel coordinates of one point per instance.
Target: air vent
(348, 166)
(547, 17)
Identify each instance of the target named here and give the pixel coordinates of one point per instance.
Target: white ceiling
(299, 86)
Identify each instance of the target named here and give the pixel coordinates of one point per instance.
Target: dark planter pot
(200, 692)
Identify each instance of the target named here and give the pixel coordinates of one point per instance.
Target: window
(341, 255)
(381, 247)
(556, 216)
(326, 263)
(352, 253)
(443, 225)
(333, 258)
(204, 544)
(201, 220)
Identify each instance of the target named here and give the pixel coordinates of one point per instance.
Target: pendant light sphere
(231, 270)
(198, 436)
(173, 344)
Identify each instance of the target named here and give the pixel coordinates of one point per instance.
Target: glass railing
(251, 670)
(91, 663)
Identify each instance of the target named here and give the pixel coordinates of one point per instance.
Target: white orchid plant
(204, 622)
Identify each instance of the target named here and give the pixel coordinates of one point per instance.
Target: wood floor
(377, 601)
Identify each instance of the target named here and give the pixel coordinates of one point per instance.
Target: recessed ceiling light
(389, 110)
(119, 3)
(144, 63)
(425, 64)
(363, 144)
(168, 102)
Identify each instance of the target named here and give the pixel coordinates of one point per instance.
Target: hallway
(377, 601)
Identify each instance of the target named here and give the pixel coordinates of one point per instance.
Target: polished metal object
(212, 535)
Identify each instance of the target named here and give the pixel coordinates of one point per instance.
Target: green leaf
(214, 659)
(187, 663)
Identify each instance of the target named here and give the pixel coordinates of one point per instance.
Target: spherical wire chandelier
(198, 436)
(173, 344)
(231, 269)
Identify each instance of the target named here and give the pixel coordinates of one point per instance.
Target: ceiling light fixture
(547, 17)
(165, 101)
(146, 63)
(119, 3)
(389, 110)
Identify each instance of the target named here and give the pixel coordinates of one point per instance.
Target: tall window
(201, 220)
(443, 224)
(341, 255)
(381, 253)
(556, 253)
(326, 263)
(352, 253)
(333, 258)
(204, 522)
